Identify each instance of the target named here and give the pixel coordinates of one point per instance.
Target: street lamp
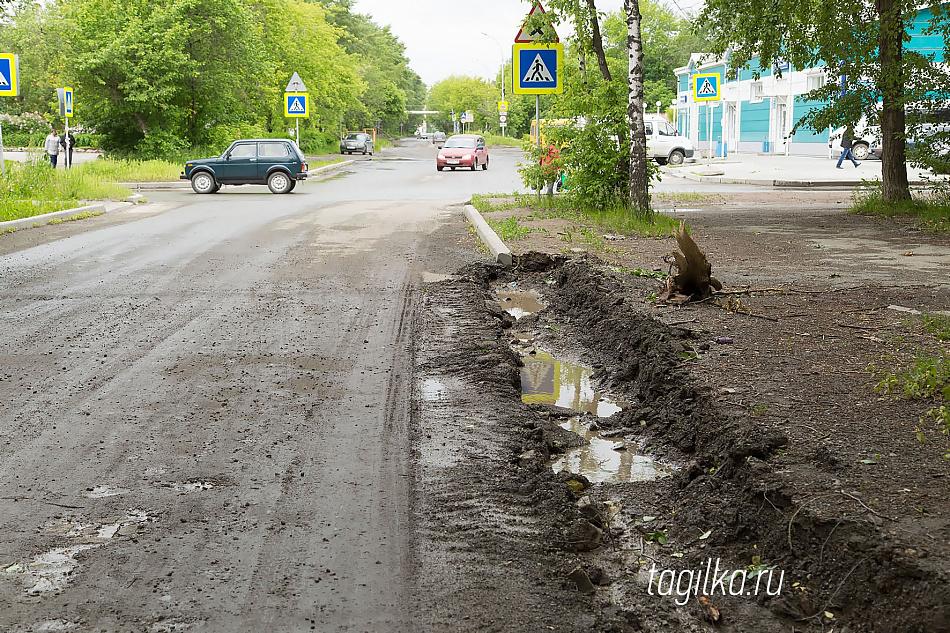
(658, 104)
(502, 51)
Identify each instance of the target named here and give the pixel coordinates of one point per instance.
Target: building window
(815, 82)
(757, 92)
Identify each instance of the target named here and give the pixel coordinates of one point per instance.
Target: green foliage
(459, 94)
(155, 78)
(860, 44)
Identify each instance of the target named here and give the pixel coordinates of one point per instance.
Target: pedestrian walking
(67, 141)
(847, 142)
(52, 147)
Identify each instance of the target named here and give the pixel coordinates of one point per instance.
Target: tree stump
(693, 280)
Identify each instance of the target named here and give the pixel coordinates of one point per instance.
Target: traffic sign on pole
(65, 96)
(502, 118)
(537, 69)
(502, 106)
(707, 86)
(532, 36)
(9, 75)
(296, 105)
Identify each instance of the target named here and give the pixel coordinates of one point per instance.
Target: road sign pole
(298, 133)
(3, 167)
(66, 144)
(537, 126)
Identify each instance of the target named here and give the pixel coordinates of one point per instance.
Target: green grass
(494, 139)
(509, 230)
(927, 377)
(618, 219)
(930, 208)
(34, 189)
(131, 170)
(938, 325)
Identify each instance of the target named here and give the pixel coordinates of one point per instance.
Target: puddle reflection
(546, 380)
(519, 303)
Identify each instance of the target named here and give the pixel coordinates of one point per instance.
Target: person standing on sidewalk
(847, 142)
(52, 147)
(67, 141)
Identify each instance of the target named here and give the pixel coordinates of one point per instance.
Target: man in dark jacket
(66, 141)
(847, 142)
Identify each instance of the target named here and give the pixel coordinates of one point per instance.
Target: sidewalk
(784, 171)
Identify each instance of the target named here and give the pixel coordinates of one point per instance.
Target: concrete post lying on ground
(499, 251)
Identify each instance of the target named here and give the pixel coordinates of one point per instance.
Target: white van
(867, 141)
(664, 143)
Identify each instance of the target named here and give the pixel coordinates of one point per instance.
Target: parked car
(357, 142)
(463, 150)
(664, 143)
(438, 138)
(277, 163)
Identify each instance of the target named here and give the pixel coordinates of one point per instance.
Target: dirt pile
(752, 492)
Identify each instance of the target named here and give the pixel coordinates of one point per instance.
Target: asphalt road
(204, 414)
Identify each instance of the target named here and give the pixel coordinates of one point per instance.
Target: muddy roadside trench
(666, 512)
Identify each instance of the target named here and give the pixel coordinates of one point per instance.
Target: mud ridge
(849, 564)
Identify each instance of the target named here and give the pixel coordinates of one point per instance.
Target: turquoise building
(758, 115)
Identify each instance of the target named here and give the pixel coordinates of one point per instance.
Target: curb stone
(500, 252)
(55, 215)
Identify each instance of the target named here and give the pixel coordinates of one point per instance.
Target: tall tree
(586, 20)
(639, 174)
(860, 43)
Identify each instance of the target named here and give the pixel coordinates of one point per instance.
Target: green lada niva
(277, 163)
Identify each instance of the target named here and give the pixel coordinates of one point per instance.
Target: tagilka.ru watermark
(712, 581)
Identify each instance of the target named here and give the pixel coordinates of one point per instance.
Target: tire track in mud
(489, 553)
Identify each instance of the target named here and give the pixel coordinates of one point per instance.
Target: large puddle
(518, 301)
(547, 380)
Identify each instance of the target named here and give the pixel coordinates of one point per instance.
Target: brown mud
(789, 461)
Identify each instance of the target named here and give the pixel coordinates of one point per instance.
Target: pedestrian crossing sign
(295, 105)
(537, 69)
(9, 75)
(706, 87)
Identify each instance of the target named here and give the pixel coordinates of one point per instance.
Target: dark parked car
(357, 142)
(438, 138)
(463, 150)
(277, 163)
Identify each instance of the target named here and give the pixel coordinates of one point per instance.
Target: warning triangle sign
(297, 106)
(530, 37)
(706, 88)
(537, 72)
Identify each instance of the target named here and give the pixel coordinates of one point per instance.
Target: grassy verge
(507, 141)
(509, 230)
(34, 189)
(616, 219)
(930, 207)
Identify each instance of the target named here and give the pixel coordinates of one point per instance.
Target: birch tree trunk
(639, 175)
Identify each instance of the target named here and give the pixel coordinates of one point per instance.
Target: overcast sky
(444, 37)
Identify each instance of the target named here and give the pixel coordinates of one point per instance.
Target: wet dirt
(791, 462)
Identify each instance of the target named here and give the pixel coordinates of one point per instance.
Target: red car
(463, 150)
